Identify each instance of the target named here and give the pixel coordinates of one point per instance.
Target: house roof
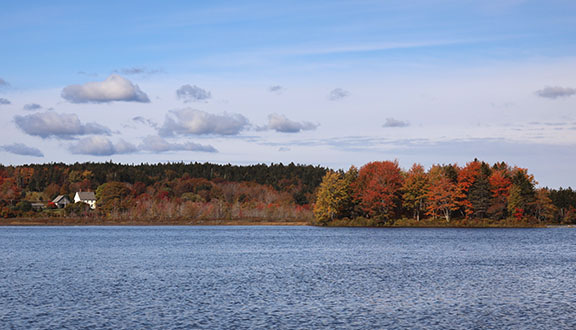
(86, 195)
(60, 198)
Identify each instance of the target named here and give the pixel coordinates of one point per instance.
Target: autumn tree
(467, 176)
(415, 188)
(112, 196)
(9, 190)
(350, 207)
(444, 195)
(52, 190)
(544, 209)
(332, 198)
(500, 183)
(378, 189)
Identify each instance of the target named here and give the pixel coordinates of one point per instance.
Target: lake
(287, 277)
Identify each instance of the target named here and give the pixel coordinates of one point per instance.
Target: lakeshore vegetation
(379, 193)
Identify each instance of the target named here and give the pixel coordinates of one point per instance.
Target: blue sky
(317, 82)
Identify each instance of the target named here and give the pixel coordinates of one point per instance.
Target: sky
(332, 83)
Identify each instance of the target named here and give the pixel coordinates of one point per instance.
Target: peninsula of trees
(381, 193)
(378, 194)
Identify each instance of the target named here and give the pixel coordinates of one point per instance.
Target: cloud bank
(280, 123)
(196, 122)
(4, 83)
(101, 146)
(391, 122)
(52, 124)
(22, 149)
(556, 92)
(158, 144)
(4, 101)
(114, 88)
(189, 93)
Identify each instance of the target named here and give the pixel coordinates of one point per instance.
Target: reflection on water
(287, 277)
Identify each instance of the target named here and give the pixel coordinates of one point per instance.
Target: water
(286, 277)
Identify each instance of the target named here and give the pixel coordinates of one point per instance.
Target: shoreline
(39, 222)
(64, 222)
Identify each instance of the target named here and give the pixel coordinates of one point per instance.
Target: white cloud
(4, 101)
(158, 144)
(22, 149)
(280, 123)
(101, 146)
(52, 124)
(338, 94)
(391, 122)
(114, 88)
(32, 107)
(196, 122)
(556, 92)
(193, 93)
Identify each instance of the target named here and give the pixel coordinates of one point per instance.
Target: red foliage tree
(378, 188)
(500, 184)
(467, 176)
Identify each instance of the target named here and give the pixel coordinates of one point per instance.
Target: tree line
(163, 191)
(382, 192)
(378, 193)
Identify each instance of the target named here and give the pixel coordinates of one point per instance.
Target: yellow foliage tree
(332, 198)
(545, 210)
(416, 187)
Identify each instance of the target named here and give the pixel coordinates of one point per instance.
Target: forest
(379, 193)
(153, 193)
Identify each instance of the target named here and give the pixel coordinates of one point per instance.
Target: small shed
(87, 197)
(61, 201)
(38, 206)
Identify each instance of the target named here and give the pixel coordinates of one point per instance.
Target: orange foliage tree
(500, 184)
(444, 195)
(467, 176)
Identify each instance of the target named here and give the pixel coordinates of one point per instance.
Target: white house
(87, 197)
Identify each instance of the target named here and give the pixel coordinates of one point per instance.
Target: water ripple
(286, 278)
